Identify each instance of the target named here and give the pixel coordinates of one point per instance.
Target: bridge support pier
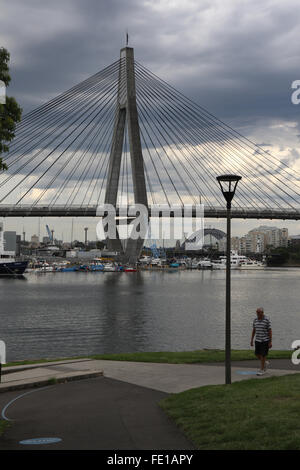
(126, 113)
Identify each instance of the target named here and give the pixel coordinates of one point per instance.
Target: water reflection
(122, 312)
(67, 314)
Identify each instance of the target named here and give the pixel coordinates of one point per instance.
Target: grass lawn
(191, 357)
(181, 357)
(254, 414)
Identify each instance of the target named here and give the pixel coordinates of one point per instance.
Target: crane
(50, 234)
(157, 252)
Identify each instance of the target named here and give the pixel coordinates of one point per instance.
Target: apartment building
(258, 239)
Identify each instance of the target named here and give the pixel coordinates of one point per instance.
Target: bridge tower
(126, 114)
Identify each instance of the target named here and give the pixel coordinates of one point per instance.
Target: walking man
(263, 338)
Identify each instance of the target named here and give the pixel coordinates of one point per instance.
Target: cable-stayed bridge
(125, 136)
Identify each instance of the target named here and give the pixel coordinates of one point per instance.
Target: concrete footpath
(168, 378)
(39, 375)
(115, 407)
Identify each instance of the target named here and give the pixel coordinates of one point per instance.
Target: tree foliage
(10, 112)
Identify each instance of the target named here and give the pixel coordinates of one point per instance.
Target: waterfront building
(35, 241)
(235, 244)
(10, 241)
(258, 239)
(274, 236)
(18, 245)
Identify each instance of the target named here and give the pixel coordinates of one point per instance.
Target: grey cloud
(236, 59)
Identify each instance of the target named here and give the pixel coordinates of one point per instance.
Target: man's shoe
(261, 372)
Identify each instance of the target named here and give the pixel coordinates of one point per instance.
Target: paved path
(92, 414)
(169, 378)
(174, 378)
(27, 376)
(115, 407)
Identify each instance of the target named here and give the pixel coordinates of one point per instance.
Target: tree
(10, 111)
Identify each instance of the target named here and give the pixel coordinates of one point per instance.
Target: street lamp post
(228, 184)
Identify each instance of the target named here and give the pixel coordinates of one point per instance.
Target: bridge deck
(91, 211)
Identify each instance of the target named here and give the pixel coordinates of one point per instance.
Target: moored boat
(252, 264)
(237, 262)
(204, 264)
(96, 267)
(221, 263)
(9, 267)
(110, 267)
(12, 268)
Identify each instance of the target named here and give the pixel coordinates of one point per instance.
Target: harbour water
(52, 315)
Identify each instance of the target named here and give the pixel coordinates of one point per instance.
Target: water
(69, 314)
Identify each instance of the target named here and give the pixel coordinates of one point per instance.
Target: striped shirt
(262, 328)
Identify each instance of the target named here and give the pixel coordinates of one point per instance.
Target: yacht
(237, 262)
(252, 264)
(221, 264)
(245, 262)
(110, 267)
(145, 260)
(160, 262)
(9, 267)
(45, 268)
(205, 264)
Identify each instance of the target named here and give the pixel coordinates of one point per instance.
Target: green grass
(254, 414)
(190, 357)
(52, 381)
(39, 361)
(181, 357)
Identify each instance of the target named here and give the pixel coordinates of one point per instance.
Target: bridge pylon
(126, 114)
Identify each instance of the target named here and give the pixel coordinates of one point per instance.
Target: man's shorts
(261, 348)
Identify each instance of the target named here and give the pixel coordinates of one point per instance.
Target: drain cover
(41, 440)
(246, 372)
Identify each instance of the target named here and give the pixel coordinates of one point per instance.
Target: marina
(50, 258)
(148, 263)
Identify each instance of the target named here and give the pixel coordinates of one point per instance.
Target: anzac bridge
(124, 136)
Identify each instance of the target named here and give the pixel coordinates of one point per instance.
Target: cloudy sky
(237, 58)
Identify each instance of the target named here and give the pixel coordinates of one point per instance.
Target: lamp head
(228, 184)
